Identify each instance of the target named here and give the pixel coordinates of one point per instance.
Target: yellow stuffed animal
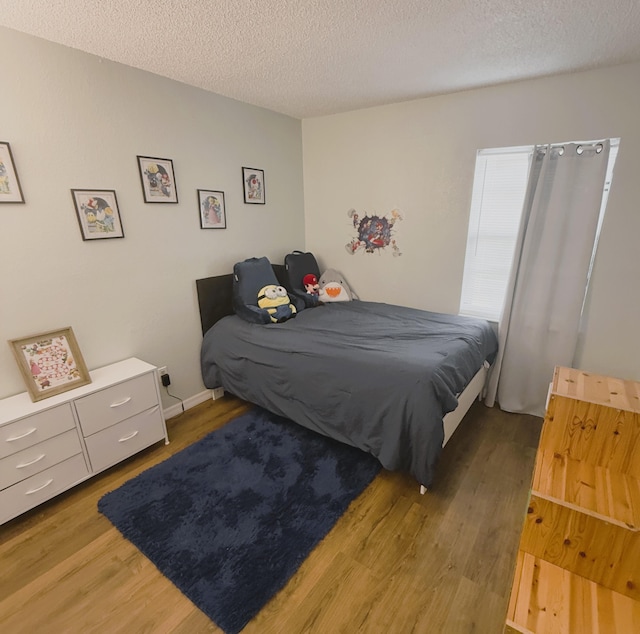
(276, 302)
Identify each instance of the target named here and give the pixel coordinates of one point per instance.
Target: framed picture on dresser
(50, 363)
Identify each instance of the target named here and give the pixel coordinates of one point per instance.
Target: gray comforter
(375, 376)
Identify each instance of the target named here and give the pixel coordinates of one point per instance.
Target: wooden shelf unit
(578, 567)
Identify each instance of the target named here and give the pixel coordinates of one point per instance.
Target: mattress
(376, 376)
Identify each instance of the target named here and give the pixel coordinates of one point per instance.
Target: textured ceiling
(316, 57)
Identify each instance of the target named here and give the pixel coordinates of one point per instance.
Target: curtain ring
(599, 148)
(579, 150)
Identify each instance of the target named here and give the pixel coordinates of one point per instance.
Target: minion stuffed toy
(276, 302)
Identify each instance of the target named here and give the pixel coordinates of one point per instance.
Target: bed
(390, 380)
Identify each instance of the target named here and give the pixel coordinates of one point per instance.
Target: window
(499, 188)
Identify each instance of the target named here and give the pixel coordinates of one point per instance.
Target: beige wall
(419, 157)
(76, 121)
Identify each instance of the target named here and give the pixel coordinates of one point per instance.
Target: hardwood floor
(396, 562)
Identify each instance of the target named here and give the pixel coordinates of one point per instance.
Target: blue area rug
(230, 519)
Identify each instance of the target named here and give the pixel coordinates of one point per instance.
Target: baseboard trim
(188, 403)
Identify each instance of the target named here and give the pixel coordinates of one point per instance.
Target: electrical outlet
(217, 392)
(162, 370)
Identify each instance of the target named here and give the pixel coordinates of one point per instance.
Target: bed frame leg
(423, 489)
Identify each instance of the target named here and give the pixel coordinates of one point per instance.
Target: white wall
(419, 157)
(76, 121)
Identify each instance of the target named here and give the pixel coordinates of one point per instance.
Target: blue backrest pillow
(298, 265)
(249, 276)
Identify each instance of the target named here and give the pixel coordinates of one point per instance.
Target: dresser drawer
(27, 432)
(124, 439)
(104, 408)
(41, 487)
(28, 462)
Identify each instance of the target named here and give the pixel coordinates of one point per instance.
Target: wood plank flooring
(395, 563)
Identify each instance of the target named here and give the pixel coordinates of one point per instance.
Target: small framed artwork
(253, 183)
(212, 210)
(10, 190)
(98, 213)
(158, 180)
(50, 363)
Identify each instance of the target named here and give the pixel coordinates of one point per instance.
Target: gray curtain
(540, 321)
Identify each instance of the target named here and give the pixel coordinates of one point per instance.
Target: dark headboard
(215, 296)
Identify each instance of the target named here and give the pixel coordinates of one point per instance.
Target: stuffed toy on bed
(311, 285)
(250, 278)
(276, 302)
(302, 273)
(334, 288)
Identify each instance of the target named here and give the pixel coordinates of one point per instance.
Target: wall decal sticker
(373, 233)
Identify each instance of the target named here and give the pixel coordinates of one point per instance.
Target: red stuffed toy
(310, 283)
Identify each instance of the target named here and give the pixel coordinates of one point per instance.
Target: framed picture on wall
(253, 184)
(50, 363)
(98, 213)
(158, 180)
(212, 209)
(10, 190)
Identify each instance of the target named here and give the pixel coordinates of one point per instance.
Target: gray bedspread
(372, 375)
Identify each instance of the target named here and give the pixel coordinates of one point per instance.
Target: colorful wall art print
(158, 180)
(253, 184)
(374, 233)
(10, 191)
(212, 209)
(98, 213)
(50, 363)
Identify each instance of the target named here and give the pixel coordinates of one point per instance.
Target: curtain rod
(580, 147)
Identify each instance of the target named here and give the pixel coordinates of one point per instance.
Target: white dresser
(49, 446)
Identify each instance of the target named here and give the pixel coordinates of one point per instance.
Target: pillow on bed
(299, 267)
(334, 288)
(249, 277)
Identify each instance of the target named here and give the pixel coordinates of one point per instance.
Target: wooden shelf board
(595, 388)
(586, 545)
(546, 598)
(595, 490)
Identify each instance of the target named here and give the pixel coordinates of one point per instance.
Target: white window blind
(499, 187)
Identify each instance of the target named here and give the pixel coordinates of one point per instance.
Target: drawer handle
(27, 433)
(28, 464)
(129, 437)
(118, 404)
(46, 484)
